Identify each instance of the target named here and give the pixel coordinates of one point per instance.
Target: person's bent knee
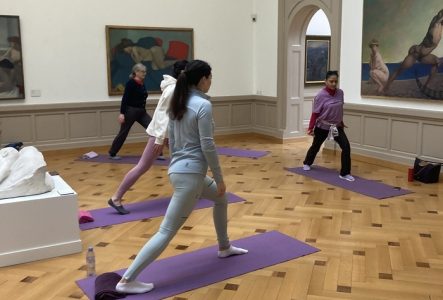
(170, 231)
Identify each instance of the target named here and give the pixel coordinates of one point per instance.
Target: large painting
(402, 55)
(316, 58)
(157, 48)
(11, 65)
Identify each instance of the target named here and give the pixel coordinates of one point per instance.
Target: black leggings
(132, 115)
(320, 136)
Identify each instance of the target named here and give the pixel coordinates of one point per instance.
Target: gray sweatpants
(188, 188)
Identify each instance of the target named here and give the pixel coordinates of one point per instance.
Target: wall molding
(393, 134)
(55, 126)
(387, 133)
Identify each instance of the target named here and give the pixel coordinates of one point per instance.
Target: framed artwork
(316, 58)
(402, 53)
(11, 64)
(157, 48)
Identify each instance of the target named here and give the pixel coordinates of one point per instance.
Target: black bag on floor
(426, 171)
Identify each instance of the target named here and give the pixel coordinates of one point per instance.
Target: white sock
(134, 287)
(231, 251)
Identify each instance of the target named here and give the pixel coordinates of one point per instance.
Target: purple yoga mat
(362, 186)
(142, 210)
(241, 152)
(125, 159)
(178, 274)
(133, 159)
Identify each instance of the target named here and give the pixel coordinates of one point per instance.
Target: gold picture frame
(317, 58)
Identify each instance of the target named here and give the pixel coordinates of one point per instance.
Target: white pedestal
(39, 226)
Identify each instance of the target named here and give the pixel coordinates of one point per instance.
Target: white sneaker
(306, 167)
(348, 177)
(134, 287)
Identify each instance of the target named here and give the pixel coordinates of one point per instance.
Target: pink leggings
(143, 165)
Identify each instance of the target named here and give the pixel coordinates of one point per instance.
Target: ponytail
(193, 72)
(178, 68)
(180, 98)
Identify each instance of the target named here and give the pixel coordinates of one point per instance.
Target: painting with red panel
(156, 48)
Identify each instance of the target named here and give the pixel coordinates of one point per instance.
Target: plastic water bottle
(90, 262)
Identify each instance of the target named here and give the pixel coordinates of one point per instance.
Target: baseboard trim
(227, 137)
(39, 253)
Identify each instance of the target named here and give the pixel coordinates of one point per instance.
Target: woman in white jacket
(157, 131)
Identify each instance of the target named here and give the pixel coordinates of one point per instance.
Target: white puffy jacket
(159, 125)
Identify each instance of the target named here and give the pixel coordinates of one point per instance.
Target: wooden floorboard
(370, 249)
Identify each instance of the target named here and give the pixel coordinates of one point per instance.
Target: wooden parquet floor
(370, 249)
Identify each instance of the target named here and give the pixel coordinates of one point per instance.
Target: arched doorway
(317, 50)
(292, 32)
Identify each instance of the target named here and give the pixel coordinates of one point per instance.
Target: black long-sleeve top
(135, 95)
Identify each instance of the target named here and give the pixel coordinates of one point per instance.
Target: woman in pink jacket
(327, 122)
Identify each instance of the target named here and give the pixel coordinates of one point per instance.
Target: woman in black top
(132, 108)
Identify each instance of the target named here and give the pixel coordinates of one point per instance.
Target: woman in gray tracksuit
(192, 150)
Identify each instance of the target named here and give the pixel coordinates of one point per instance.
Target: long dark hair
(178, 67)
(194, 71)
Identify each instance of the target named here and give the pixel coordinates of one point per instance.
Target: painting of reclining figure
(157, 48)
(402, 53)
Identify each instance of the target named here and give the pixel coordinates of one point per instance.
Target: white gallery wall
(64, 58)
(265, 39)
(265, 34)
(64, 52)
